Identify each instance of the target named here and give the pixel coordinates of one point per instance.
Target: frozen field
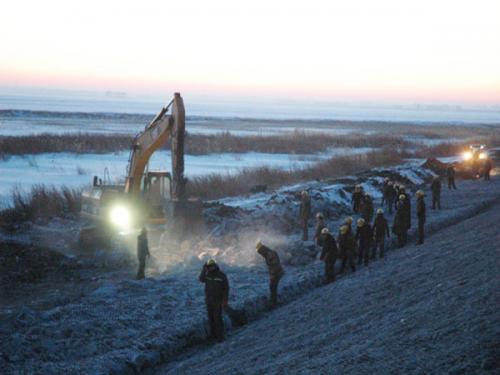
(76, 170)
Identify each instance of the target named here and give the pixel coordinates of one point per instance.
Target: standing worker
(421, 216)
(348, 224)
(305, 213)
(450, 173)
(364, 237)
(216, 297)
(328, 254)
(380, 230)
(347, 248)
(436, 193)
(274, 268)
(142, 252)
(400, 226)
(407, 205)
(356, 198)
(389, 196)
(367, 208)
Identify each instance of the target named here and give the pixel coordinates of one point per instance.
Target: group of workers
(359, 246)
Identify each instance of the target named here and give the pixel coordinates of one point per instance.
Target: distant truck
(473, 160)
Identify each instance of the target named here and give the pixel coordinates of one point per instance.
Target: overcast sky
(384, 50)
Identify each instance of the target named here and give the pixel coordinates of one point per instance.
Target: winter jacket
(216, 285)
(364, 236)
(272, 261)
(329, 247)
(347, 245)
(142, 247)
(380, 227)
(367, 209)
(400, 224)
(421, 209)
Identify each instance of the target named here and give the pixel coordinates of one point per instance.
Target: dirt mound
(436, 166)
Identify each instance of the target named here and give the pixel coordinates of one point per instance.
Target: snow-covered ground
(125, 325)
(423, 310)
(76, 170)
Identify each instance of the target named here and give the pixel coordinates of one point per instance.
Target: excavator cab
(156, 191)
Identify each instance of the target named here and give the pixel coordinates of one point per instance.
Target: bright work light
(120, 216)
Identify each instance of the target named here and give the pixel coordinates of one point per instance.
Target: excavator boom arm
(156, 134)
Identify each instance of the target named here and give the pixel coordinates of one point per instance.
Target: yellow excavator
(147, 198)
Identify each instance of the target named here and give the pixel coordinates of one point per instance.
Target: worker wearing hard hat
(328, 254)
(364, 237)
(347, 248)
(348, 223)
(216, 297)
(380, 231)
(275, 270)
(400, 224)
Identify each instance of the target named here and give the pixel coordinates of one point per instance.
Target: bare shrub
(41, 202)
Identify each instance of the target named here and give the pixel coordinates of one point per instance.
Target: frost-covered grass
(41, 202)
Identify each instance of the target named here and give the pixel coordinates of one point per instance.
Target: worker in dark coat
(400, 225)
(421, 216)
(274, 268)
(329, 254)
(347, 248)
(380, 231)
(348, 224)
(367, 208)
(407, 205)
(142, 252)
(357, 195)
(389, 193)
(488, 166)
(436, 193)
(216, 297)
(364, 235)
(450, 173)
(320, 224)
(305, 214)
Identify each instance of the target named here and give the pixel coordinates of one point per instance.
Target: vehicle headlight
(467, 155)
(120, 216)
(482, 155)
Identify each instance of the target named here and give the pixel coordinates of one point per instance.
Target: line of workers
(351, 246)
